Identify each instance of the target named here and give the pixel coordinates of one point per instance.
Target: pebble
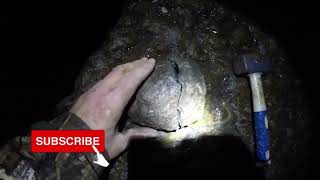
(164, 10)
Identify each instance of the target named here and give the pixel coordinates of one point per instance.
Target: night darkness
(44, 46)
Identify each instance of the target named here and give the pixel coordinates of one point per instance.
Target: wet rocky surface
(173, 96)
(193, 90)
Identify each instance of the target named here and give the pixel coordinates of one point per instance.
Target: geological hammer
(252, 66)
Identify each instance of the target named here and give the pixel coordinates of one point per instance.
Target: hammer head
(250, 63)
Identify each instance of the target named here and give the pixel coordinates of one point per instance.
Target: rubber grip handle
(262, 136)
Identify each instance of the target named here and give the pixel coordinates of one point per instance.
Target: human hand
(101, 106)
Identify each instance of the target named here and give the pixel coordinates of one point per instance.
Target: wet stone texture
(172, 97)
(193, 90)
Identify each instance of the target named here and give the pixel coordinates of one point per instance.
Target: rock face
(193, 84)
(172, 97)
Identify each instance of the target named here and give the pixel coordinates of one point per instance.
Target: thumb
(120, 141)
(141, 132)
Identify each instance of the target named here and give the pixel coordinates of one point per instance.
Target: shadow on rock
(209, 157)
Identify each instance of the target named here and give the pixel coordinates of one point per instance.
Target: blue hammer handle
(262, 136)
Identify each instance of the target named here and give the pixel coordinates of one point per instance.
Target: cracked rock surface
(172, 97)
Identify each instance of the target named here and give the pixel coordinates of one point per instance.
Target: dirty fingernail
(151, 60)
(144, 59)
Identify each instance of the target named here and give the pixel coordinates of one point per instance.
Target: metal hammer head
(250, 63)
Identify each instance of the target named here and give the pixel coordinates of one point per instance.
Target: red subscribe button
(67, 140)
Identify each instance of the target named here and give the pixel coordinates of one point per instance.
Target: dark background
(44, 45)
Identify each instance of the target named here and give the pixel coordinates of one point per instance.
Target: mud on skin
(194, 43)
